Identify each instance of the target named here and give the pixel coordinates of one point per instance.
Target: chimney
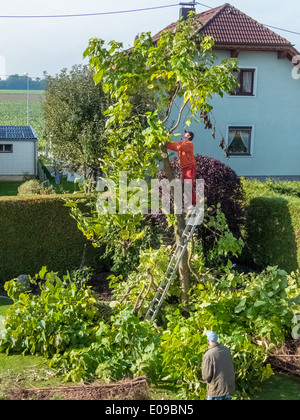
(186, 9)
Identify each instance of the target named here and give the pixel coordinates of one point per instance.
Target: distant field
(20, 97)
(13, 109)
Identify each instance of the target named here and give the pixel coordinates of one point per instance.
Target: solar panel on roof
(17, 133)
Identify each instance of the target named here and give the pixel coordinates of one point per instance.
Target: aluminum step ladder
(193, 221)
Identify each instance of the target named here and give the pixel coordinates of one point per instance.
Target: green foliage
(224, 244)
(294, 285)
(141, 284)
(183, 346)
(126, 348)
(38, 230)
(62, 315)
(122, 236)
(250, 315)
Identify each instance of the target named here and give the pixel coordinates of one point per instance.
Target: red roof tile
(228, 25)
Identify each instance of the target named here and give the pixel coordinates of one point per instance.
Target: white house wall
(21, 161)
(273, 113)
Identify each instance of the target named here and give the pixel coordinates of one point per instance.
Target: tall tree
(180, 66)
(74, 118)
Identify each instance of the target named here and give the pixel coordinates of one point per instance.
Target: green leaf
(43, 272)
(259, 303)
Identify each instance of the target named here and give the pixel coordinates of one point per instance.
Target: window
(239, 141)
(246, 81)
(6, 148)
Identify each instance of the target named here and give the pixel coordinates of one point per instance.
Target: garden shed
(18, 152)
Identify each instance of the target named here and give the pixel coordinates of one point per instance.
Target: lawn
(25, 371)
(9, 187)
(280, 387)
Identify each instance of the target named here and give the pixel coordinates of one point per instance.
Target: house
(18, 152)
(260, 123)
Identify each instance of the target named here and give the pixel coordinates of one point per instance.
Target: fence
(42, 176)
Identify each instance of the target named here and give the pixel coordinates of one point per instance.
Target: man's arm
(174, 146)
(207, 370)
(184, 146)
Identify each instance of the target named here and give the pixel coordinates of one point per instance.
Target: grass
(26, 372)
(280, 387)
(23, 371)
(9, 188)
(64, 187)
(4, 305)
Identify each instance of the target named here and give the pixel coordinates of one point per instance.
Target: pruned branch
(171, 103)
(179, 115)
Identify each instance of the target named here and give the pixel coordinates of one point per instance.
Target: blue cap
(211, 336)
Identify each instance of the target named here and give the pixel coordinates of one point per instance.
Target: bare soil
(100, 285)
(19, 97)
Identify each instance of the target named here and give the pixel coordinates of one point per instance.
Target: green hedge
(38, 231)
(272, 228)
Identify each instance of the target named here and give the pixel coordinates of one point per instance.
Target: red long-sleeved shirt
(185, 151)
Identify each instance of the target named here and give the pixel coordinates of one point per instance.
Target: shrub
(272, 225)
(33, 186)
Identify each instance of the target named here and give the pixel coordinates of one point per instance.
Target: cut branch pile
(287, 357)
(134, 389)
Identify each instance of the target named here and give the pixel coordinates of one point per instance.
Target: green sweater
(218, 371)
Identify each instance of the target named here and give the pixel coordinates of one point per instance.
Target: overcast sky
(34, 45)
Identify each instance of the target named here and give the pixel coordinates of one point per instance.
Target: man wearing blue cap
(217, 369)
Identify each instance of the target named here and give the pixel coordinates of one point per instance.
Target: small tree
(74, 118)
(180, 65)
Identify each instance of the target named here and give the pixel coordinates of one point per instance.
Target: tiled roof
(17, 132)
(228, 25)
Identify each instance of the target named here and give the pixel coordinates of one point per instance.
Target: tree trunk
(184, 271)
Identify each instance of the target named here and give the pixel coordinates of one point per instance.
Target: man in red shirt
(187, 161)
